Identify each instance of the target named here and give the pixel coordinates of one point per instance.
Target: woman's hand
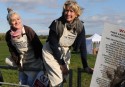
(64, 69)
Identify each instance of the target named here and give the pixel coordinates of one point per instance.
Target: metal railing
(18, 85)
(12, 84)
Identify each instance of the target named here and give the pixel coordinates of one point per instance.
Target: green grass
(12, 75)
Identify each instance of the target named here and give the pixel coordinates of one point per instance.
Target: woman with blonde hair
(25, 48)
(65, 32)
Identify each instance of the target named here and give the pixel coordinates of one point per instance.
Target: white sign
(109, 70)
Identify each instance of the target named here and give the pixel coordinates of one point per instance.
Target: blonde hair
(9, 15)
(73, 5)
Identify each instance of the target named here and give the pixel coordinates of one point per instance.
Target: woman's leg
(31, 77)
(52, 66)
(22, 78)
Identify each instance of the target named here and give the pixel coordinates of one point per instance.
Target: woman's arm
(53, 39)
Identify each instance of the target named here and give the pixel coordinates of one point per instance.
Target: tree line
(2, 36)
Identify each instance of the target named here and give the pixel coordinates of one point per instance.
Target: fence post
(70, 77)
(1, 78)
(79, 71)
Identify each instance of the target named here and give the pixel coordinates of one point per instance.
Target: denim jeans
(27, 77)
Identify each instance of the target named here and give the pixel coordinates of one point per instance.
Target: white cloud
(120, 21)
(30, 3)
(96, 22)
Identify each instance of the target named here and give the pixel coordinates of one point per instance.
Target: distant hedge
(2, 37)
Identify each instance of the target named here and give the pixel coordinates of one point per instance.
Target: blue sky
(39, 14)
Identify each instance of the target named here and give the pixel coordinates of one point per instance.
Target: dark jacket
(32, 38)
(56, 32)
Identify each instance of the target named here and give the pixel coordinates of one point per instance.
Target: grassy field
(11, 76)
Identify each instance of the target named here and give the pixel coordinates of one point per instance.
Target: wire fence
(9, 84)
(12, 84)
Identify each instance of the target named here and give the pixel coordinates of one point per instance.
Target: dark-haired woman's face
(69, 14)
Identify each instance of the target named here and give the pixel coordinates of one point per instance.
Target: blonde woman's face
(15, 21)
(69, 14)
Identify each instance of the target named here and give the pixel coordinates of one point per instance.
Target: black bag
(1, 78)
